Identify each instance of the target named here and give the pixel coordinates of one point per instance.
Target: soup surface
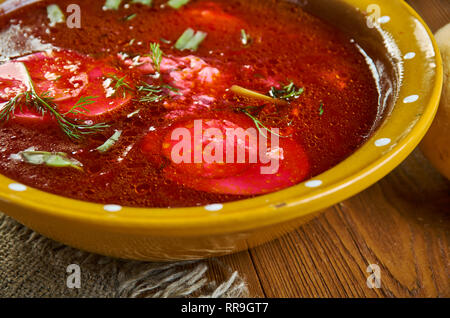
(95, 106)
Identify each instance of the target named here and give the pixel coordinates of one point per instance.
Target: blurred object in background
(436, 144)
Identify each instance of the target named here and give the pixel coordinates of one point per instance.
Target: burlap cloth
(34, 266)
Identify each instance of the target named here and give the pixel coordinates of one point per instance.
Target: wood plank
(436, 13)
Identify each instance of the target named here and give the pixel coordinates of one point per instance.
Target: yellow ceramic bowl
(188, 233)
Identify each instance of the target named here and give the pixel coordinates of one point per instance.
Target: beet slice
(245, 178)
(207, 168)
(294, 168)
(15, 79)
(66, 76)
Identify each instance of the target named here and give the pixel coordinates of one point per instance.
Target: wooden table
(401, 224)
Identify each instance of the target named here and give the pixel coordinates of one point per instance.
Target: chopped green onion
(112, 4)
(51, 159)
(144, 2)
(176, 4)
(110, 142)
(241, 91)
(190, 40)
(55, 15)
(130, 17)
(195, 42)
(134, 113)
(184, 39)
(245, 38)
(321, 109)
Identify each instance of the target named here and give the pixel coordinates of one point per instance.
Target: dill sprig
(45, 104)
(154, 93)
(78, 108)
(120, 85)
(10, 107)
(321, 110)
(259, 125)
(287, 92)
(156, 56)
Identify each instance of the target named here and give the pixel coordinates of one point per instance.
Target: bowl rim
(242, 215)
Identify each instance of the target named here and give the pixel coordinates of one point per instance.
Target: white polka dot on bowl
(313, 183)
(382, 142)
(112, 208)
(409, 55)
(214, 207)
(17, 187)
(410, 99)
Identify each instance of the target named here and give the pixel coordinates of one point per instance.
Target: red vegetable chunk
(208, 165)
(65, 76)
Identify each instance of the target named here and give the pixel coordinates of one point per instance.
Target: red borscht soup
(177, 103)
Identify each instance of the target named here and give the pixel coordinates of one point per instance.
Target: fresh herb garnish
(51, 159)
(55, 15)
(45, 104)
(287, 92)
(110, 142)
(156, 56)
(245, 38)
(259, 125)
(190, 40)
(120, 85)
(112, 4)
(137, 111)
(130, 17)
(176, 4)
(321, 109)
(79, 108)
(154, 93)
(144, 2)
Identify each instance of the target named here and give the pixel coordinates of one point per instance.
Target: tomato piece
(14, 79)
(58, 73)
(65, 76)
